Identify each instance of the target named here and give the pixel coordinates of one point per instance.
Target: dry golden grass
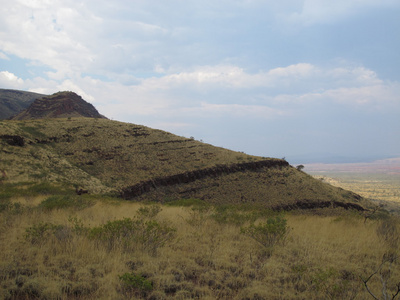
(321, 258)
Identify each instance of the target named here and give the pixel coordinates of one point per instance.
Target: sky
(308, 80)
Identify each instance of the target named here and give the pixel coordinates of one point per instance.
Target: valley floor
(378, 181)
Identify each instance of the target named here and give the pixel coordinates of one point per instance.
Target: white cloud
(10, 80)
(374, 98)
(240, 110)
(227, 90)
(229, 76)
(298, 70)
(181, 62)
(322, 12)
(48, 32)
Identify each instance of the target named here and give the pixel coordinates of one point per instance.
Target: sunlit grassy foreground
(95, 248)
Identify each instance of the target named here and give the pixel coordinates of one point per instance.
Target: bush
(39, 233)
(149, 211)
(135, 284)
(268, 234)
(13, 208)
(153, 235)
(129, 233)
(114, 233)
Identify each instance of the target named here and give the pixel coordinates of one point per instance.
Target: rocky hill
(13, 102)
(59, 105)
(141, 164)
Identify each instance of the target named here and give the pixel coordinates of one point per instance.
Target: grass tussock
(112, 249)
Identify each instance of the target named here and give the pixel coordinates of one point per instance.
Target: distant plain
(378, 180)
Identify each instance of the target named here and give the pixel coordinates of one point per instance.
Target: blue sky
(294, 79)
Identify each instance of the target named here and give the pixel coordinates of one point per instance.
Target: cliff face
(59, 105)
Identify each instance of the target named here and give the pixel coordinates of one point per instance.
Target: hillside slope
(14, 101)
(141, 163)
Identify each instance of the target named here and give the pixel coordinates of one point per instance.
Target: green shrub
(149, 211)
(130, 233)
(77, 226)
(135, 284)
(38, 233)
(269, 233)
(153, 235)
(114, 232)
(334, 284)
(41, 232)
(13, 208)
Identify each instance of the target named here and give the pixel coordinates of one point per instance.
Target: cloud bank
(269, 78)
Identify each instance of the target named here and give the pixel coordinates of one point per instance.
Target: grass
(65, 201)
(102, 251)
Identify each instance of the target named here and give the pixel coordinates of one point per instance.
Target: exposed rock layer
(190, 176)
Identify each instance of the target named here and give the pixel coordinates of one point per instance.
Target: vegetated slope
(59, 105)
(13, 101)
(141, 163)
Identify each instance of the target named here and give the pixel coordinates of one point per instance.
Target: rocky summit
(59, 105)
(13, 102)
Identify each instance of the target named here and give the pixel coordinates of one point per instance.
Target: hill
(59, 242)
(140, 163)
(13, 101)
(59, 105)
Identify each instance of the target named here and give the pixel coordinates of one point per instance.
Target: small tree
(268, 234)
(300, 167)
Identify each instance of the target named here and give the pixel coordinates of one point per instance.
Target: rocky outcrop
(190, 176)
(308, 204)
(59, 105)
(13, 140)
